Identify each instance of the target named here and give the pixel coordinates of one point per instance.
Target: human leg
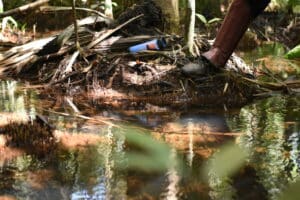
(241, 13)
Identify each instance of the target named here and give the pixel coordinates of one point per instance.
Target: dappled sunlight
(71, 141)
(150, 102)
(165, 148)
(199, 134)
(7, 197)
(279, 65)
(8, 154)
(8, 117)
(100, 93)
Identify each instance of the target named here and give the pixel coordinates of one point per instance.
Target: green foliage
(151, 155)
(294, 53)
(226, 162)
(285, 5)
(5, 23)
(206, 22)
(1, 6)
(104, 6)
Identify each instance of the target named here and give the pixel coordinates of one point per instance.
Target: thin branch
(75, 24)
(23, 8)
(55, 8)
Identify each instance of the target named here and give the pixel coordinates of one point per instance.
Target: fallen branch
(272, 87)
(23, 8)
(110, 32)
(105, 121)
(55, 8)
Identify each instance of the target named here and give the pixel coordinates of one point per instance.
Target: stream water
(113, 167)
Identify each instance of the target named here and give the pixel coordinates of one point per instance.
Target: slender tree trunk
(22, 8)
(109, 9)
(170, 9)
(75, 24)
(190, 25)
(1, 6)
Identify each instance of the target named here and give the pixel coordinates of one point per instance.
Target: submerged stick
(95, 120)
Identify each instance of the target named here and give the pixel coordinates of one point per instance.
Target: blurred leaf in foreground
(292, 192)
(226, 162)
(294, 53)
(146, 153)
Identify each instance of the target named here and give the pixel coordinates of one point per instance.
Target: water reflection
(269, 129)
(268, 146)
(13, 101)
(266, 137)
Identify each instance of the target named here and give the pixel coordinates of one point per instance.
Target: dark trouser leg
(235, 24)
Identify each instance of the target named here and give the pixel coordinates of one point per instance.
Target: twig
(82, 117)
(71, 62)
(72, 105)
(54, 55)
(54, 8)
(64, 78)
(206, 133)
(23, 8)
(272, 86)
(75, 25)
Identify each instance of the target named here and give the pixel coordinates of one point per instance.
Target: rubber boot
(241, 13)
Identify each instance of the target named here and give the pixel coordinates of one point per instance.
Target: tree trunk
(109, 9)
(190, 25)
(170, 9)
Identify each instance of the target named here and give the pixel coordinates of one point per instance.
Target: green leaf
(226, 162)
(294, 53)
(214, 20)
(114, 4)
(148, 154)
(201, 18)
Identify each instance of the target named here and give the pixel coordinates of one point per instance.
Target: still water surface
(268, 128)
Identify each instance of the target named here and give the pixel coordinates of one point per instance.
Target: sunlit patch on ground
(107, 93)
(6, 118)
(278, 65)
(7, 153)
